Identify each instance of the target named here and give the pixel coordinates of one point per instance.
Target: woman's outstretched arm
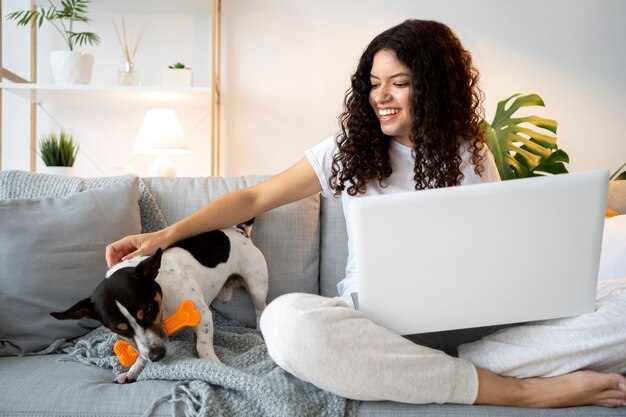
(293, 184)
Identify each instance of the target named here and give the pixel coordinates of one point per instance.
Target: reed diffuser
(129, 76)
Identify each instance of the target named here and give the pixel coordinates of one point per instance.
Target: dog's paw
(124, 378)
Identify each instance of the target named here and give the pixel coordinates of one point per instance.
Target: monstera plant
(519, 148)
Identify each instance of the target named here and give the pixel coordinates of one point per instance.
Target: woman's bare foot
(577, 388)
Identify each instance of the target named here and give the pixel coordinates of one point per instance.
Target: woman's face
(389, 96)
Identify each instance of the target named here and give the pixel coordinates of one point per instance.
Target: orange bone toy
(187, 315)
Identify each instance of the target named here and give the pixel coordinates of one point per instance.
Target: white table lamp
(161, 134)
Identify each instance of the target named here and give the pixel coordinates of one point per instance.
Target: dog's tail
(247, 226)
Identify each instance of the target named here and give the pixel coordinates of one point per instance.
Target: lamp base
(162, 167)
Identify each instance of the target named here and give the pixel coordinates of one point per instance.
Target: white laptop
(479, 255)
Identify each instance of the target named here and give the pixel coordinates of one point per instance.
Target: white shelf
(111, 95)
(196, 101)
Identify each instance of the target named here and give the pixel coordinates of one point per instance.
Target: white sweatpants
(325, 342)
(331, 345)
(595, 341)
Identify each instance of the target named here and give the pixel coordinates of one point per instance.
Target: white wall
(286, 66)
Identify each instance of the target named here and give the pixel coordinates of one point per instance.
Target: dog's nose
(156, 354)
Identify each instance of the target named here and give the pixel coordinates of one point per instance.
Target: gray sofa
(305, 247)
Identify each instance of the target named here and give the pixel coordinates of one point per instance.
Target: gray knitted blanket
(246, 383)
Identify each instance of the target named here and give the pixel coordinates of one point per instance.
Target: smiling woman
(390, 96)
(411, 121)
(423, 88)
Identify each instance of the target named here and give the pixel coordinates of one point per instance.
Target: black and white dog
(137, 294)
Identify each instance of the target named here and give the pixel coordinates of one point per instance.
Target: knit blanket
(245, 383)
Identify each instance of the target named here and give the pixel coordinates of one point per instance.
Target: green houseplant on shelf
(68, 67)
(58, 153)
(524, 146)
(177, 75)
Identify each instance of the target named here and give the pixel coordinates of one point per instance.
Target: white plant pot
(67, 171)
(70, 67)
(177, 77)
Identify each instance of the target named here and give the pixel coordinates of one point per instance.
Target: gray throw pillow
(24, 184)
(52, 255)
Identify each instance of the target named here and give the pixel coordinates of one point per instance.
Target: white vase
(70, 67)
(55, 170)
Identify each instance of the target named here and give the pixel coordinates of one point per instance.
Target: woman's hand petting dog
(145, 244)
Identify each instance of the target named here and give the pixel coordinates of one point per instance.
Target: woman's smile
(390, 94)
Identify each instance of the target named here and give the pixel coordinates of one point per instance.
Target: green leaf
(499, 154)
(524, 101)
(555, 164)
(519, 148)
(83, 38)
(25, 17)
(547, 124)
(58, 150)
(61, 18)
(544, 140)
(533, 147)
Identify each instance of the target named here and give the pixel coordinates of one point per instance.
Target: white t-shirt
(401, 179)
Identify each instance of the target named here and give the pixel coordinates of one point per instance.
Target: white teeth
(387, 112)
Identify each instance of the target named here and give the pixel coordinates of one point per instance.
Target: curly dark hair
(445, 102)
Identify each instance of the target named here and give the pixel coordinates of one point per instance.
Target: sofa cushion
(288, 236)
(48, 385)
(617, 196)
(393, 409)
(52, 255)
(613, 254)
(23, 184)
(334, 248)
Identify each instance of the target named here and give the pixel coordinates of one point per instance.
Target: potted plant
(519, 149)
(58, 152)
(68, 67)
(177, 75)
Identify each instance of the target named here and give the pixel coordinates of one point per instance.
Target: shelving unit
(102, 96)
(105, 95)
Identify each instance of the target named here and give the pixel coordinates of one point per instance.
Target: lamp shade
(160, 133)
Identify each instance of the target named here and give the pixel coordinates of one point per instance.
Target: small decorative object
(128, 76)
(521, 151)
(58, 152)
(177, 75)
(161, 134)
(68, 67)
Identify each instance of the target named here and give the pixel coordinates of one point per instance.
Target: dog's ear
(82, 309)
(247, 226)
(149, 268)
